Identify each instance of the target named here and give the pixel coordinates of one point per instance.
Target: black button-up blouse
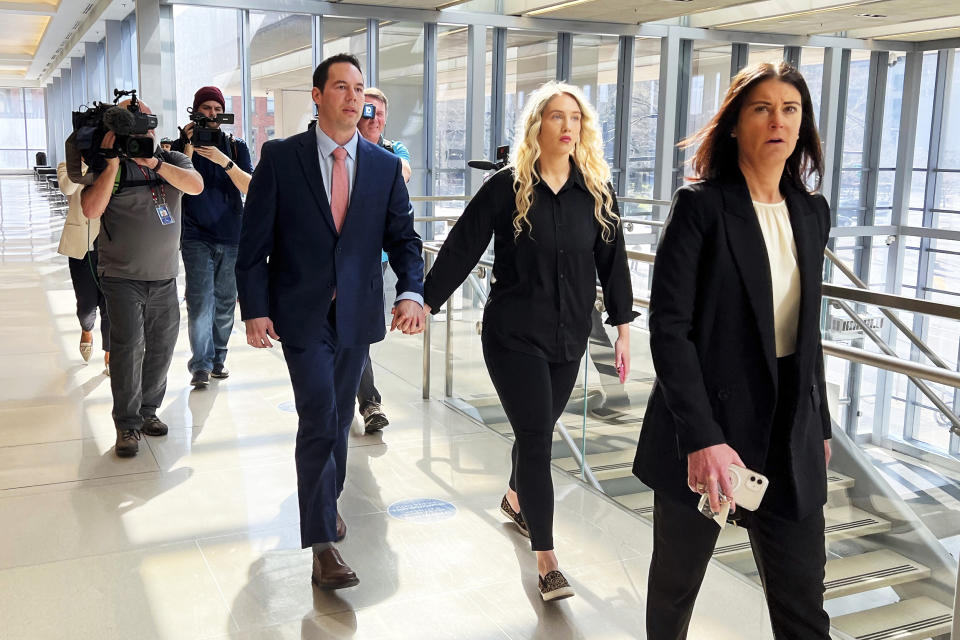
(544, 284)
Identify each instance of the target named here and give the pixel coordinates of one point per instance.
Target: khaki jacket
(79, 232)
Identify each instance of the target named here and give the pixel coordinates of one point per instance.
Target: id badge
(164, 214)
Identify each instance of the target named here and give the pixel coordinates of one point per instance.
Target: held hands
(259, 332)
(707, 471)
(408, 317)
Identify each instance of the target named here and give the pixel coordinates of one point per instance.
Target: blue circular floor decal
(288, 406)
(422, 510)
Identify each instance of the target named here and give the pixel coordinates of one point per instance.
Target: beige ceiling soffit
(447, 5)
(538, 7)
(15, 58)
(86, 22)
(28, 8)
(903, 28)
(772, 11)
(925, 33)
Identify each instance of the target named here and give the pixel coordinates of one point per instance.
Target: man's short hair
(320, 73)
(373, 92)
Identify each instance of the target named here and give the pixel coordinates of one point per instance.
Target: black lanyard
(163, 194)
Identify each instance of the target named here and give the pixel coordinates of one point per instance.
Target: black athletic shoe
(153, 426)
(128, 443)
(220, 372)
(200, 380)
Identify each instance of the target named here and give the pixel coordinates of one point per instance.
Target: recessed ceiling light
(870, 15)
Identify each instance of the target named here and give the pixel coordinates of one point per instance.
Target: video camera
(203, 134)
(130, 125)
(503, 156)
(369, 111)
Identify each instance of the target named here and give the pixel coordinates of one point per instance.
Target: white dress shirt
(777, 232)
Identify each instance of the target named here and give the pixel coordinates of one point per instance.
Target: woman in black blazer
(735, 338)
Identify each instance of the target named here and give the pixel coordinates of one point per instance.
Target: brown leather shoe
(341, 528)
(331, 572)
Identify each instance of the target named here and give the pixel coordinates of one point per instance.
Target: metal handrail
(894, 364)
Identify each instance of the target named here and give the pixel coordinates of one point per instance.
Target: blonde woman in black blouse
(555, 227)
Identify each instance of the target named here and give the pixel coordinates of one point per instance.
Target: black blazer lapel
(750, 254)
(806, 236)
(310, 162)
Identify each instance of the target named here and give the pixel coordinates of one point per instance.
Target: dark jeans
(211, 295)
(89, 297)
(324, 376)
(533, 393)
(145, 320)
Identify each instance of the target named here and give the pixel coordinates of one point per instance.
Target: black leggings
(89, 297)
(533, 393)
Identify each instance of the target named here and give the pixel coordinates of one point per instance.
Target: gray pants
(144, 322)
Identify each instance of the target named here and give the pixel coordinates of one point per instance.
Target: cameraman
(211, 233)
(138, 203)
(368, 398)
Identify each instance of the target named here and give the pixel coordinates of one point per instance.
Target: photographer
(368, 397)
(138, 203)
(211, 233)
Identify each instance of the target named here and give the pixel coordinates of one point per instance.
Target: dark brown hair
(717, 154)
(320, 73)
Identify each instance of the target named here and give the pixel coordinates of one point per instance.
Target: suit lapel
(750, 254)
(809, 262)
(310, 162)
(355, 209)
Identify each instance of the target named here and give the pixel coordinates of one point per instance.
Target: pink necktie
(339, 187)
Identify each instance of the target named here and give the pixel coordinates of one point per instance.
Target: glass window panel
(213, 58)
(450, 140)
(595, 71)
(13, 158)
(401, 79)
(885, 179)
(890, 133)
(856, 113)
(709, 80)
(643, 118)
(281, 76)
(345, 35)
(928, 81)
(950, 145)
(531, 61)
(36, 118)
(811, 66)
(918, 182)
(12, 134)
(764, 53)
(930, 426)
(948, 191)
(848, 213)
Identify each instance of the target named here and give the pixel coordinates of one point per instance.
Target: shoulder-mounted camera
(130, 125)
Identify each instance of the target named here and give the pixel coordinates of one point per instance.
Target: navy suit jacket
(291, 258)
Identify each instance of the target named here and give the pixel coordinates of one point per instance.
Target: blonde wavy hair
(587, 155)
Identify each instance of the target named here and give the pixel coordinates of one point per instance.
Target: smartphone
(748, 486)
(369, 111)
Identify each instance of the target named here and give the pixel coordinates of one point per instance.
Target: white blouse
(782, 253)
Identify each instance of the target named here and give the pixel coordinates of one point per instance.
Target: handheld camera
(502, 157)
(205, 135)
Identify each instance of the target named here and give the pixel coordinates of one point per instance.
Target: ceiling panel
(811, 17)
(21, 33)
(622, 11)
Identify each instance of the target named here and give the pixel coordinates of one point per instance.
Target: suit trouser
(325, 377)
(790, 556)
(144, 322)
(367, 392)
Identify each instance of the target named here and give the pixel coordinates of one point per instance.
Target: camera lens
(753, 478)
(759, 481)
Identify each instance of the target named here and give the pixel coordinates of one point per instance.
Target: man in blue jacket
(211, 233)
(322, 205)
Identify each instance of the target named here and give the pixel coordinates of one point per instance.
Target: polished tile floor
(197, 537)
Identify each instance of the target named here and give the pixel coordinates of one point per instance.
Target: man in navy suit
(321, 206)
